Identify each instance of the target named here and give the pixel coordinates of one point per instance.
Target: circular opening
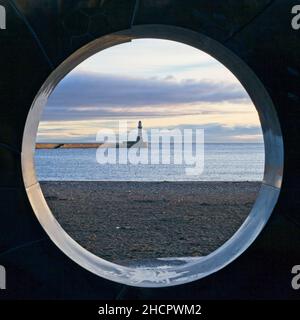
(184, 164)
(189, 269)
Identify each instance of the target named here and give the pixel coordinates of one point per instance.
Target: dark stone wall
(41, 34)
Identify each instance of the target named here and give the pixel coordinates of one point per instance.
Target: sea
(221, 162)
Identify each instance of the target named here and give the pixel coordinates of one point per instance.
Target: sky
(165, 84)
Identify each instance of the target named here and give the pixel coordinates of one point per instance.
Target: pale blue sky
(163, 83)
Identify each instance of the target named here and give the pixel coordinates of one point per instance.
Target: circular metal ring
(198, 267)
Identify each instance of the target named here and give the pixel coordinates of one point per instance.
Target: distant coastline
(84, 145)
(138, 143)
(68, 145)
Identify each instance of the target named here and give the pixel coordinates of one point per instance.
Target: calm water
(222, 162)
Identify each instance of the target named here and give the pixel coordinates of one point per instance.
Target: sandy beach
(128, 221)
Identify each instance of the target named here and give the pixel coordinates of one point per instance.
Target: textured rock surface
(123, 221)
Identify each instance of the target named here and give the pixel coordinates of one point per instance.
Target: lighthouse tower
(139, 142)
(140, 132)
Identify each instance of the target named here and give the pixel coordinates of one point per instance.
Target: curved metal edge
(197, 268)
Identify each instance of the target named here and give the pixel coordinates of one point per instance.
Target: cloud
(151, 57)
(164, 83)
(85, 131)
(88, 96)
(218, 133)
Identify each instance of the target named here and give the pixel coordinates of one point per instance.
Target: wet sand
(128, 221)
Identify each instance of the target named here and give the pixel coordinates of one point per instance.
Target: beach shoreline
(131, 221)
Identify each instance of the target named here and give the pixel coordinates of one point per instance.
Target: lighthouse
(140, 132)
(139, 142)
